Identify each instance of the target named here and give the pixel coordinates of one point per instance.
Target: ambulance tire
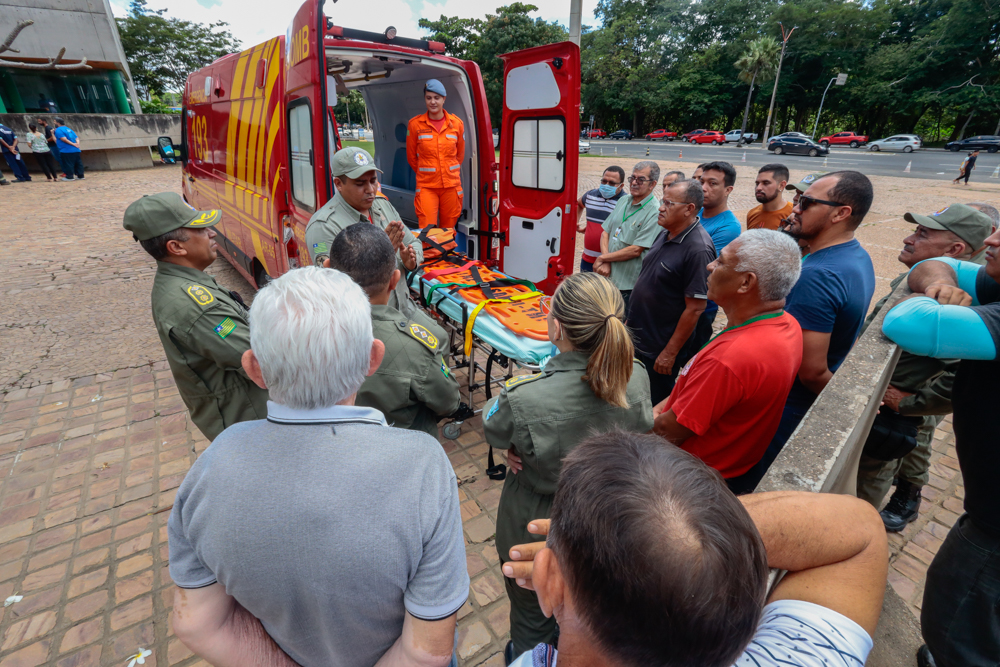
(260, 274)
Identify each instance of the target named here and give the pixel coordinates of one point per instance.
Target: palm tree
(760, 61)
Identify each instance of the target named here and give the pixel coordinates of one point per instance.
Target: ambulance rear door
(539, 160)
(309, 184)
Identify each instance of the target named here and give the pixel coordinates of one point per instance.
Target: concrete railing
(823, 453)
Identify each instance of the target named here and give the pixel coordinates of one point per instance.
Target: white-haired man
(726, 404)
(320, 536)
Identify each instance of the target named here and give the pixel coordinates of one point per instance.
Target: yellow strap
(481, 305)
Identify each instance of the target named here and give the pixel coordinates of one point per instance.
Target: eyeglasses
(640, 180)
(674, 203)
(805, 202)
(605, 181)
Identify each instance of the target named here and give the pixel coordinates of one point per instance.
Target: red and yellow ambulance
(259, 134)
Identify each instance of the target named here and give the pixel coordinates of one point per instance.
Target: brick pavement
(94, 439)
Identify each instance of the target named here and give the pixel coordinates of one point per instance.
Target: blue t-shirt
(8, 137)
(723, 228)
(832, 296)
(69, 134)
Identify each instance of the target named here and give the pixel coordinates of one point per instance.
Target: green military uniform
(203, 328)
(413, 386)
(544, 417)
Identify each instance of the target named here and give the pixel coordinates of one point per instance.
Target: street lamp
(841, 79)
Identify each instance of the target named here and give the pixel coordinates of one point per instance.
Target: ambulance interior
(392, 86)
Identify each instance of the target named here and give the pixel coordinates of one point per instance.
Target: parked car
(596, 134)
(693, 133)
(584, 146)
(796, 146)
(986, 142)
(709, 137)
(734, 135)
(496, 138)
(621, 134)
(844, 139)
(666, 135)
(789, 134)
(906, 143)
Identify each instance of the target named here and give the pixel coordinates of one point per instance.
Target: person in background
(994, 215)
(671, 177)
(798, 189)
(69, 150)
(435, 149)
(919, 393)
(593, 384)
(727, 402)
(413, 386)
(696, 175)
(596, 205)
(50, 139)
(326, 576)
(672, 288)
(772, 209)
(955, 313)
(11, 153)
(43, 156)
(630, 230)
(650, 560)
(831, 298)
(46, 105)
(717, 181)
(968, 164)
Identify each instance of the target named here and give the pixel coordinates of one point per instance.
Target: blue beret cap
(435, 86)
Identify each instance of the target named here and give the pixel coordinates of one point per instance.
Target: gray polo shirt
(326, 525)
(631, 224)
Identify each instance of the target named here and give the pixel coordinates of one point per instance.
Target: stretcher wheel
(451, 431)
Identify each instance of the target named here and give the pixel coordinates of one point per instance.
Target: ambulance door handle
(552, 244)
(191, 178)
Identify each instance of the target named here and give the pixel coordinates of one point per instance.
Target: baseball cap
(965, 222)
(435, 86)
(806, 181)
(155, 215)
(353, 163)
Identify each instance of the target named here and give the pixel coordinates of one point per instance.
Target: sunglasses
(804, 202)
(640, 180)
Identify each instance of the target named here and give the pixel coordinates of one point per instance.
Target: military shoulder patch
(520, 379)
(493, 410)
(444, 370)
(423, 335)
(225, 327)
(200, 295)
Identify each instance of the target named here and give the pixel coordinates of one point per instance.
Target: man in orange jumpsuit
(435, 148)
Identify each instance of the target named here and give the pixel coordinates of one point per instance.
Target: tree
(759, 61)
(459, 36)
(162, 51)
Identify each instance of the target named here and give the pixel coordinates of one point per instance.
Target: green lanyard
(758, 318)
(633, 213)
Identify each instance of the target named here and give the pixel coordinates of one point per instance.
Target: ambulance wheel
(260, 275)
(451, 431)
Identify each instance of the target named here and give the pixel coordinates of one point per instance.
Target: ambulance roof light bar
(387, 37)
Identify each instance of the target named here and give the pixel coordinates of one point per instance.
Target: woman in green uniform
(592, 385)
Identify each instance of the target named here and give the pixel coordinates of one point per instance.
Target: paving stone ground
(94, 439)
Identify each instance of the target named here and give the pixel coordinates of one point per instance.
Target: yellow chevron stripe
(246, 112)
(259, 250)
(254, 134)
(234, 123)
(251, 74)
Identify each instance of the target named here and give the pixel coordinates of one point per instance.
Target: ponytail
(592, 312)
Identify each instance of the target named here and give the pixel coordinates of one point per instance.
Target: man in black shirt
(955, 312)
(671, 291)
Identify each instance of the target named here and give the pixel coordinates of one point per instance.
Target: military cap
(435, 86)
(806, 181)
(156, 215)
(965, 222)
(353, 163)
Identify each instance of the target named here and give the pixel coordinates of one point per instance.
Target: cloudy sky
(253, 21)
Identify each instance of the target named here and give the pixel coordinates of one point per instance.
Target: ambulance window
(539, 157)
(300, 147)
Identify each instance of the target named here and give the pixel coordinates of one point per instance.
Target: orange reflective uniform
(436, 157)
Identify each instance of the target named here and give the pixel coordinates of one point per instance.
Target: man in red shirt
(727, 402)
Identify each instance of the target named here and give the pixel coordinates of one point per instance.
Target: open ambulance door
(308, 179)
(539, 159)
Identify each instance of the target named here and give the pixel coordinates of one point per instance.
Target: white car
(907, 143)
(584, 146)
(734, 135)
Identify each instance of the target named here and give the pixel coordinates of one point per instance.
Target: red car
(693, 133)
(844, 139)
(661, 134)
(709, 137)
(596, 134)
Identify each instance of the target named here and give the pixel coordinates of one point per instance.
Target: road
(934, 164)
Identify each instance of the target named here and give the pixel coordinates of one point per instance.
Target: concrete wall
(108, 141)
(823, 453)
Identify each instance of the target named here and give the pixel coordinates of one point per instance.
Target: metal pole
(774, 93)
(575, 20)
(822, 99)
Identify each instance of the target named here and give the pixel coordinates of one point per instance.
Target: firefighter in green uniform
(413, 386)
(203, 328)
(919, 393)
(358, 200)
(592, 385)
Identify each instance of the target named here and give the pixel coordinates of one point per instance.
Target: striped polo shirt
(598, 210)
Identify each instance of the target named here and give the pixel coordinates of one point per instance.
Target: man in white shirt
(650, 560)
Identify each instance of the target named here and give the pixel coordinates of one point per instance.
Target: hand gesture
(522, 556)
(395, 231)
(409, 257)
(948, 295)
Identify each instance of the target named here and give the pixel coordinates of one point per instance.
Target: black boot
(508, 653)
(902, 507)
(924, 657)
